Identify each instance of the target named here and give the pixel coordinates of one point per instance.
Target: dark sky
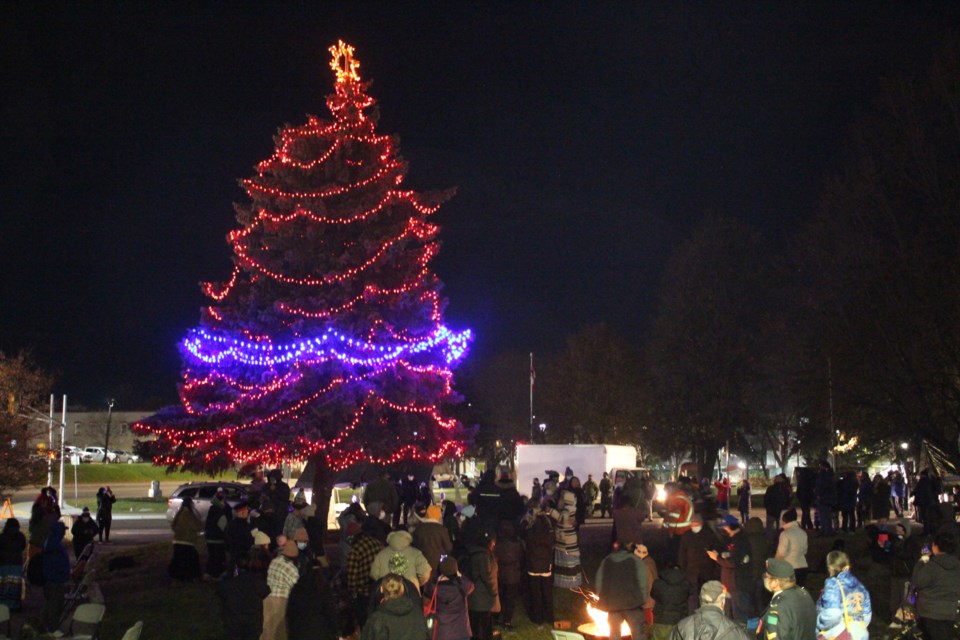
(586, 140)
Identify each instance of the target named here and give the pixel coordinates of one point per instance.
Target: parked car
(127, 456)
(202, 493)
(96, 454)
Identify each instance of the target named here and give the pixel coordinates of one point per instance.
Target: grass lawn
(96, 473)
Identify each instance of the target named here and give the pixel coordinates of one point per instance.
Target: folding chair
(565, 635)
(5, 621)
(133, 633)
(77, 594)
(89, 615)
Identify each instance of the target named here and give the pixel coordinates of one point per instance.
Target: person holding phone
(936, 577)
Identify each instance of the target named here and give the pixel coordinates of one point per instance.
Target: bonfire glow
(602, 626)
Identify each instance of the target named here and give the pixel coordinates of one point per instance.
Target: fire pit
(599, 628)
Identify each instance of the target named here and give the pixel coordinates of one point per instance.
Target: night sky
(586, 140)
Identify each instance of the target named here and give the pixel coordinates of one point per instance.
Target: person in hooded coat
(482, 568)
(397, 618)
(105, 500)
(417, 568)
(186, 526)
(215, 534)
(452, 589)
(693, 560)
(844, 603)
(671, 595)
(56, 574)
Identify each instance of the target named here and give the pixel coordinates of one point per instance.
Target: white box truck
(533, 460)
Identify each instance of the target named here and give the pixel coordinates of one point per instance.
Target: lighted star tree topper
(327, 341)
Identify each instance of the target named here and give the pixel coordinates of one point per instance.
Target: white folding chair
(565, 635)
(89, 615)
(133, 633)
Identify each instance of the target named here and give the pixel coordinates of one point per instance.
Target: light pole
(543, 431)
(106, 445)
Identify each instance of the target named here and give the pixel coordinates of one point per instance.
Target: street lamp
(543, 430)
(106, 445)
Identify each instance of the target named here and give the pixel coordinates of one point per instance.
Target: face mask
(696, 529)
(301, 545)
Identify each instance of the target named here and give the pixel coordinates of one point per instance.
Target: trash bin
(154, 489)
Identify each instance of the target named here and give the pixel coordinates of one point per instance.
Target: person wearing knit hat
(260, 539)
(84, 530)
(736, 567)
(432, 538)
(399, 542)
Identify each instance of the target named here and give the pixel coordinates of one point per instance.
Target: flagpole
(532, 375)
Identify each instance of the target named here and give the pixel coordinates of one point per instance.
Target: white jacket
(793, 545)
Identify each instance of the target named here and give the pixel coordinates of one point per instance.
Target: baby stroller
(81, 586)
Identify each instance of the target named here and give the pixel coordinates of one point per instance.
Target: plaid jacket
(364, 549)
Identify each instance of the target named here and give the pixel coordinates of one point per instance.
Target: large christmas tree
(326, 343)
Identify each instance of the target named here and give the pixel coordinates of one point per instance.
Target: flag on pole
(533, 373)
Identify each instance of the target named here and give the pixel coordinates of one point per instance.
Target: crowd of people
(407, 567)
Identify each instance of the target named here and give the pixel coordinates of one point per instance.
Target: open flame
(602, 626)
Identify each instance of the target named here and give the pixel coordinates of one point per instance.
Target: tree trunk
(323, 477)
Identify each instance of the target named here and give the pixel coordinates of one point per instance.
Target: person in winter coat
(566, 561)
(864, 498)
(793, 546)
(937, 580)
(736, 569)
(450, 521)
(880, 509)
(380, 498)
(397, 617)
(539, 538)
(759, 551)
(311, 608)
(398, 566)
(622, 588)
(432, 538)
(743, 500)
(452, 589)
(417, 567)
(485, 599)
(693, 560)
(215, 534)
(241, 599)
(282, 575)
(709, 622)
(509, 553)
(627, 522)
(186, 526)
(606, 487)
(898, 492)
(924, 498)
(723, 494)
(774, 501)
(671, 595)
(848, 502)
(13, 545)
(84, 530)
(56, 574)
(652, 575)
(509, 502)
(590, 493)
(105, 500)
(791, 614)
(904, 552)
(825, 490)
(844, 603)
(239, 534)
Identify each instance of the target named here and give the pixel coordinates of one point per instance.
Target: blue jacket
(56, 561)
(830, 619)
